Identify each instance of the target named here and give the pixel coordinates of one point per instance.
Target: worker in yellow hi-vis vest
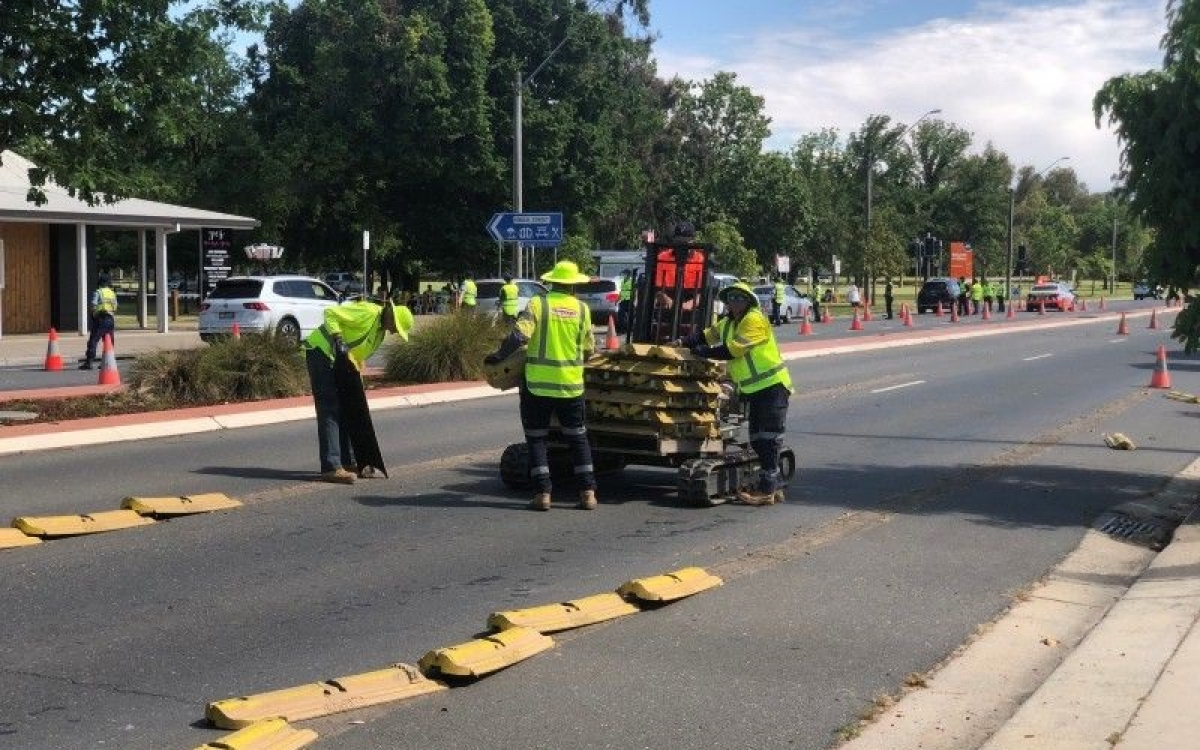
(102, 321)
(557, 329)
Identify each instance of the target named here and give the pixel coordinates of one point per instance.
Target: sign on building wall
(215, 246)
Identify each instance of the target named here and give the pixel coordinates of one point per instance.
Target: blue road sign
(528, 229)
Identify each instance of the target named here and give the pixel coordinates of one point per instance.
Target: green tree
(1157, 117)
(733, 256)
(96, 93)
(828, 175)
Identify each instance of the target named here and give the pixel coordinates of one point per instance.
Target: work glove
(339, 347)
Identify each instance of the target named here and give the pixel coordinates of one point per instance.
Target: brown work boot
(338, 476)
(756, 497)
(362, 472)
(541, 501)
(587, 499)
(779, 496)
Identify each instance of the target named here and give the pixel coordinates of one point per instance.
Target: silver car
(602, 296)
(794, 304)
(288, 306)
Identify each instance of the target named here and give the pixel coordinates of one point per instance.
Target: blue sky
(1018, 73)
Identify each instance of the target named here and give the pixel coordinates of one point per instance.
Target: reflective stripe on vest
(554, 363)
(761, 366)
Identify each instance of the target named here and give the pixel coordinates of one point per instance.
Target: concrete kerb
(1071, 663)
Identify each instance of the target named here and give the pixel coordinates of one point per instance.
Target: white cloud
(1021, 78)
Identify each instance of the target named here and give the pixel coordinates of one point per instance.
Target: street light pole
(518, 186)
(871, 169)
(1012, 194)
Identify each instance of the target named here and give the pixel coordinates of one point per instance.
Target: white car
(794, 304)
(288, 306)
(487, 294)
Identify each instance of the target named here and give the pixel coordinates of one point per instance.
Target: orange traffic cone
(825, 316)
(1082, 305)
(986, 313)
(907, 317)
(856, 324)
(953, 313)
(1012, 312)
(1161, 378)
(1102, 303)
(237, 331)
(866, 311)
(939, 309)
(805, 325)
(1153, 320)
(1041, 308)
(53, 358)
(611, 341)
(109, 375)
(1122, 328)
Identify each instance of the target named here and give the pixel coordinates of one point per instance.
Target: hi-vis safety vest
(626, 289)
(469, 293)
(508, 299)
(360, 324)
(559, 329)
(104, 300)
(779, 292)
(756, 362)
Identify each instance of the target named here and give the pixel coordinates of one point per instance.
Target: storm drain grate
(1154, 533)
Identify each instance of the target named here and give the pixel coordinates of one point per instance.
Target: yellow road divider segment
(180, 506)
(573, 614)
(486, 655)
(16, 538)
(397, 682)
(269, 734)
(92, 523)
(682, 583)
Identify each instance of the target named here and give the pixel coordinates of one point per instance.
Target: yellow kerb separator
(486, 655)
(670, 586)
(573, 614)
(180, 506)
(10, 538)
(92, 523)
(397, 682)
(268, 734)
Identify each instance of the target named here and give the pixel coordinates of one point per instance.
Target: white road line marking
(894, 387)
(1040, 356)
(1117, 341)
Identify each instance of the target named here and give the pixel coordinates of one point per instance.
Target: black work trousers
(535, 420)
(767, 412)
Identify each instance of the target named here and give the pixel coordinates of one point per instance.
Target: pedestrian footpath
(1103, 654)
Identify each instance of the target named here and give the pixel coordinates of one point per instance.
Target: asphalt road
(936, 483)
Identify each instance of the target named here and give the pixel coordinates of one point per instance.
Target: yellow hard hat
(740, 289)
(565, 272)
(404, 320)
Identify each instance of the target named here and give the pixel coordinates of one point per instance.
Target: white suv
(289, 306)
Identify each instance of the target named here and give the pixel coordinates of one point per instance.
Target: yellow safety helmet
(565, 272)
(740, 289)
(404, 319)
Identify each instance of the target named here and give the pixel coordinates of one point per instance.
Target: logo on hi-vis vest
(565, 313)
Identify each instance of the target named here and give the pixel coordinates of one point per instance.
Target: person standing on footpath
(744, 337)
(853, 297)
(887, 299)
(102, 321)
(507, 299)
(354, 330)
(964, 296)
(470, 294)
(976, 296)
(558, 330)
(777, 301)
(816, 299)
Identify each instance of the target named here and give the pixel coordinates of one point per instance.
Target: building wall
(26, 302)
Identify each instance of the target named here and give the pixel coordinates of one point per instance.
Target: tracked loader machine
(652, 403)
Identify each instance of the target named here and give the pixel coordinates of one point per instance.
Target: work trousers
(767, 412)
(535, 420)
(333, 442)
(99, 326)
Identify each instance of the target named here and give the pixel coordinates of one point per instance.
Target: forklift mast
(673, 297)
